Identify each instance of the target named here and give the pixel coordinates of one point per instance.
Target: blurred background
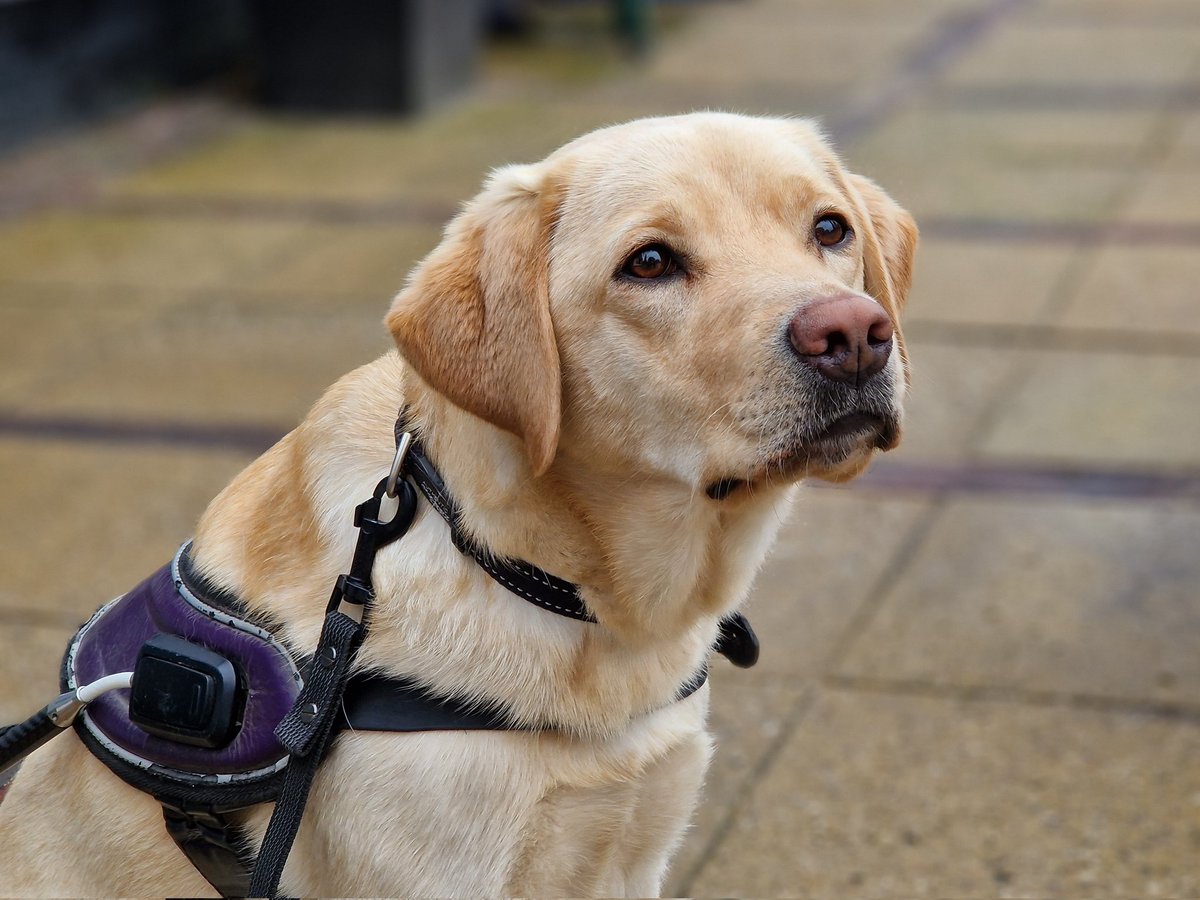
(980, 673)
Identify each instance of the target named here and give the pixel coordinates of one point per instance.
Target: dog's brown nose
(846, 338)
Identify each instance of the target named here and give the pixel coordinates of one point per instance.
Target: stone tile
(1016, 140)
(336, 266)
(950, 387)
(891, 796)
(833, 54)
(765, 96)
(1073, 55)
(29, 667)
(83, 523)
(829, 556)
(281, 158)
(984, 283)
(200, 366)
(1183, 154)
(1146, 13)
(1145, 288)
(1167, 195)
(1082, 598)
(40, 344)
(1045, 193)
(875, 12)
(1043, 165)
(1104, 409)
(444, 157)
(745, 721)
(167, 254)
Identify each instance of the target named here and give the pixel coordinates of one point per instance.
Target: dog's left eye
(652, 261)
(831, 230)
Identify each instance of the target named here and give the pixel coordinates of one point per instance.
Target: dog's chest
(501, 813)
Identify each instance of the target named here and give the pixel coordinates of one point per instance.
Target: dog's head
(708, 298)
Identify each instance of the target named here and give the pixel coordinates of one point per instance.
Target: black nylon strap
(404, 705)
(305, 731)
(379, 703)
(211, 842)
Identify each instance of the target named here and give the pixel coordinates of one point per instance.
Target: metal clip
(397, 463)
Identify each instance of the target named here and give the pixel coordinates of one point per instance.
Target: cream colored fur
(577, 416)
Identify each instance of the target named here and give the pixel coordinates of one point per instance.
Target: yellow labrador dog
(621, 359)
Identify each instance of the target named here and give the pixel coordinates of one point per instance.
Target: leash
(306, 729)
(18, 741)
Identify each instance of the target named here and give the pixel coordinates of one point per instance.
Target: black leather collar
(737, 641)
(524, 579)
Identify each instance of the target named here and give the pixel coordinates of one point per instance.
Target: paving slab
(888, 796)
(1040, 194)
(338, 267)
(1101, 409)
(831, 53)
(1043, 54)
(282, 158)
(1096, 598)
(29, 667)
(785, 13)
(203, 366)
(980, 282)
(951, 387)
(923, 139)
(442, 160)
(1184, 151)
(161, 252)
(745, 722)
(1038, 165)
(1165, 195)
(40, 343)
(829, 558)
(1102, 13)
(1145, 288)
(767, 96)
(92, 521)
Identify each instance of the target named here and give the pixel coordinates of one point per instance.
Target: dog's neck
(657, 563)
(654, 556)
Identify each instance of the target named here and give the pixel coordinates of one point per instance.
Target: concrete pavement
(980, 674)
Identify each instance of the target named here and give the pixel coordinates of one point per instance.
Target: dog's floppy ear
(889, 236)
(474, 318)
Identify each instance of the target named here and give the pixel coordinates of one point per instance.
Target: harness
(222, 716)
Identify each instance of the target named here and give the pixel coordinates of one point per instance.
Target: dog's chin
(837, 452)
(843, 448)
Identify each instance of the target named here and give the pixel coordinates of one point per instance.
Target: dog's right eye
(651, 261)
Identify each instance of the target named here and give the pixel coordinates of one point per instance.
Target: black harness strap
(378, 703)
(213, 845)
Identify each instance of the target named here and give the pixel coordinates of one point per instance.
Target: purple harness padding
(162, 604)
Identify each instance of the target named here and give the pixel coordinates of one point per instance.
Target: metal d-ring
(397, 463)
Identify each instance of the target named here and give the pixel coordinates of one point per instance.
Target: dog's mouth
(855, 425)
(819, 452)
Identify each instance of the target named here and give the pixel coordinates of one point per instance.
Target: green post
(633, 24)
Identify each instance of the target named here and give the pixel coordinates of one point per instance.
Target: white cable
(90, 692)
